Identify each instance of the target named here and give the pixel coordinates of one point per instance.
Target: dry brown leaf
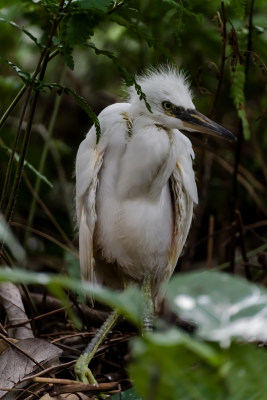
(14, 365)
(4, 345)
(11, 300)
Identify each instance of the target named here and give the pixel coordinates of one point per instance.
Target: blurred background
(94, 49)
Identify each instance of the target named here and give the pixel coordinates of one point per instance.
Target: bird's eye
(167, 105)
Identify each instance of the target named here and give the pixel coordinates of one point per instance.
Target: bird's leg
(148, 313)
(82, 371)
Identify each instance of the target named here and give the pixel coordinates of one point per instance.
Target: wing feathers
(183, 212)
(88, 164)
(85, 249)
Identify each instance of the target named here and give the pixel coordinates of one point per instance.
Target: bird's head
(169, 96)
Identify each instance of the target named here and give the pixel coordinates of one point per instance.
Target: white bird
(136, 189)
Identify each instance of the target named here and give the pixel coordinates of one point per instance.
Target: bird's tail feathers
(87, 261)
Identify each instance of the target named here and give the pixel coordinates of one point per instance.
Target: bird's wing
(184, 194)
(89, 160)
(183, 212)
(88, 163)
(183, 205)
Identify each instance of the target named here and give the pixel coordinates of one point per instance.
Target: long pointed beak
(195, 121)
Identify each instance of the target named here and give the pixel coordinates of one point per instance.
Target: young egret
(135, 192)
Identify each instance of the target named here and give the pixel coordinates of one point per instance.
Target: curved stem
(40, 70)
(12, 106)
(43, 160)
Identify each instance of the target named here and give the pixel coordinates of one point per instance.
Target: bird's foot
(82, 371)
(84, 374)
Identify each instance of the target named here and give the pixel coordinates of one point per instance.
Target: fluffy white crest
(166, 83)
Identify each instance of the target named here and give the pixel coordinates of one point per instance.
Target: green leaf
(7, 237)
(5, 3)
(24, 76)
(51, 6)
(27, 164)
(244, 372)
(66, 53)
(128, 302)
(127, 395)
(238, 95)
(173, 368)
(79, 27)
(239, 7)
(222, 306)
(21, 28)
(94, 4)
(128, 77)
(42, 86)
(85, 106)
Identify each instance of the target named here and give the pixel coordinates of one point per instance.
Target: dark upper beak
(196, 121)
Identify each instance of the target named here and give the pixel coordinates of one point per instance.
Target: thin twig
(83, 387)
(42, 164)
(242, 243)
(210, 242)
(223, 21)
(54, 380)
(47, 211)
(48, 237)
(12, 106)
(48, 370)
(240, 143)
(38, 317)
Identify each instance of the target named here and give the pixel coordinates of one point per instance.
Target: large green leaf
(7, 237)
(94, 4)
(220, 305)
(238, 94)
(3, 3)
(244, 368)
(127, 395)
(173, 366)
(128, 302)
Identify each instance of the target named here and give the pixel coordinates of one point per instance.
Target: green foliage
(27, 164)
(129, 78)
(94, 4)
(127, 395)
(173, 366)
(21, 28)
(7, 237)
(3, 3)
(24, 76)
(221, 315)
(128, 303)
(239, 7)
(238, 95)
(78, 27)
(170, 364)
